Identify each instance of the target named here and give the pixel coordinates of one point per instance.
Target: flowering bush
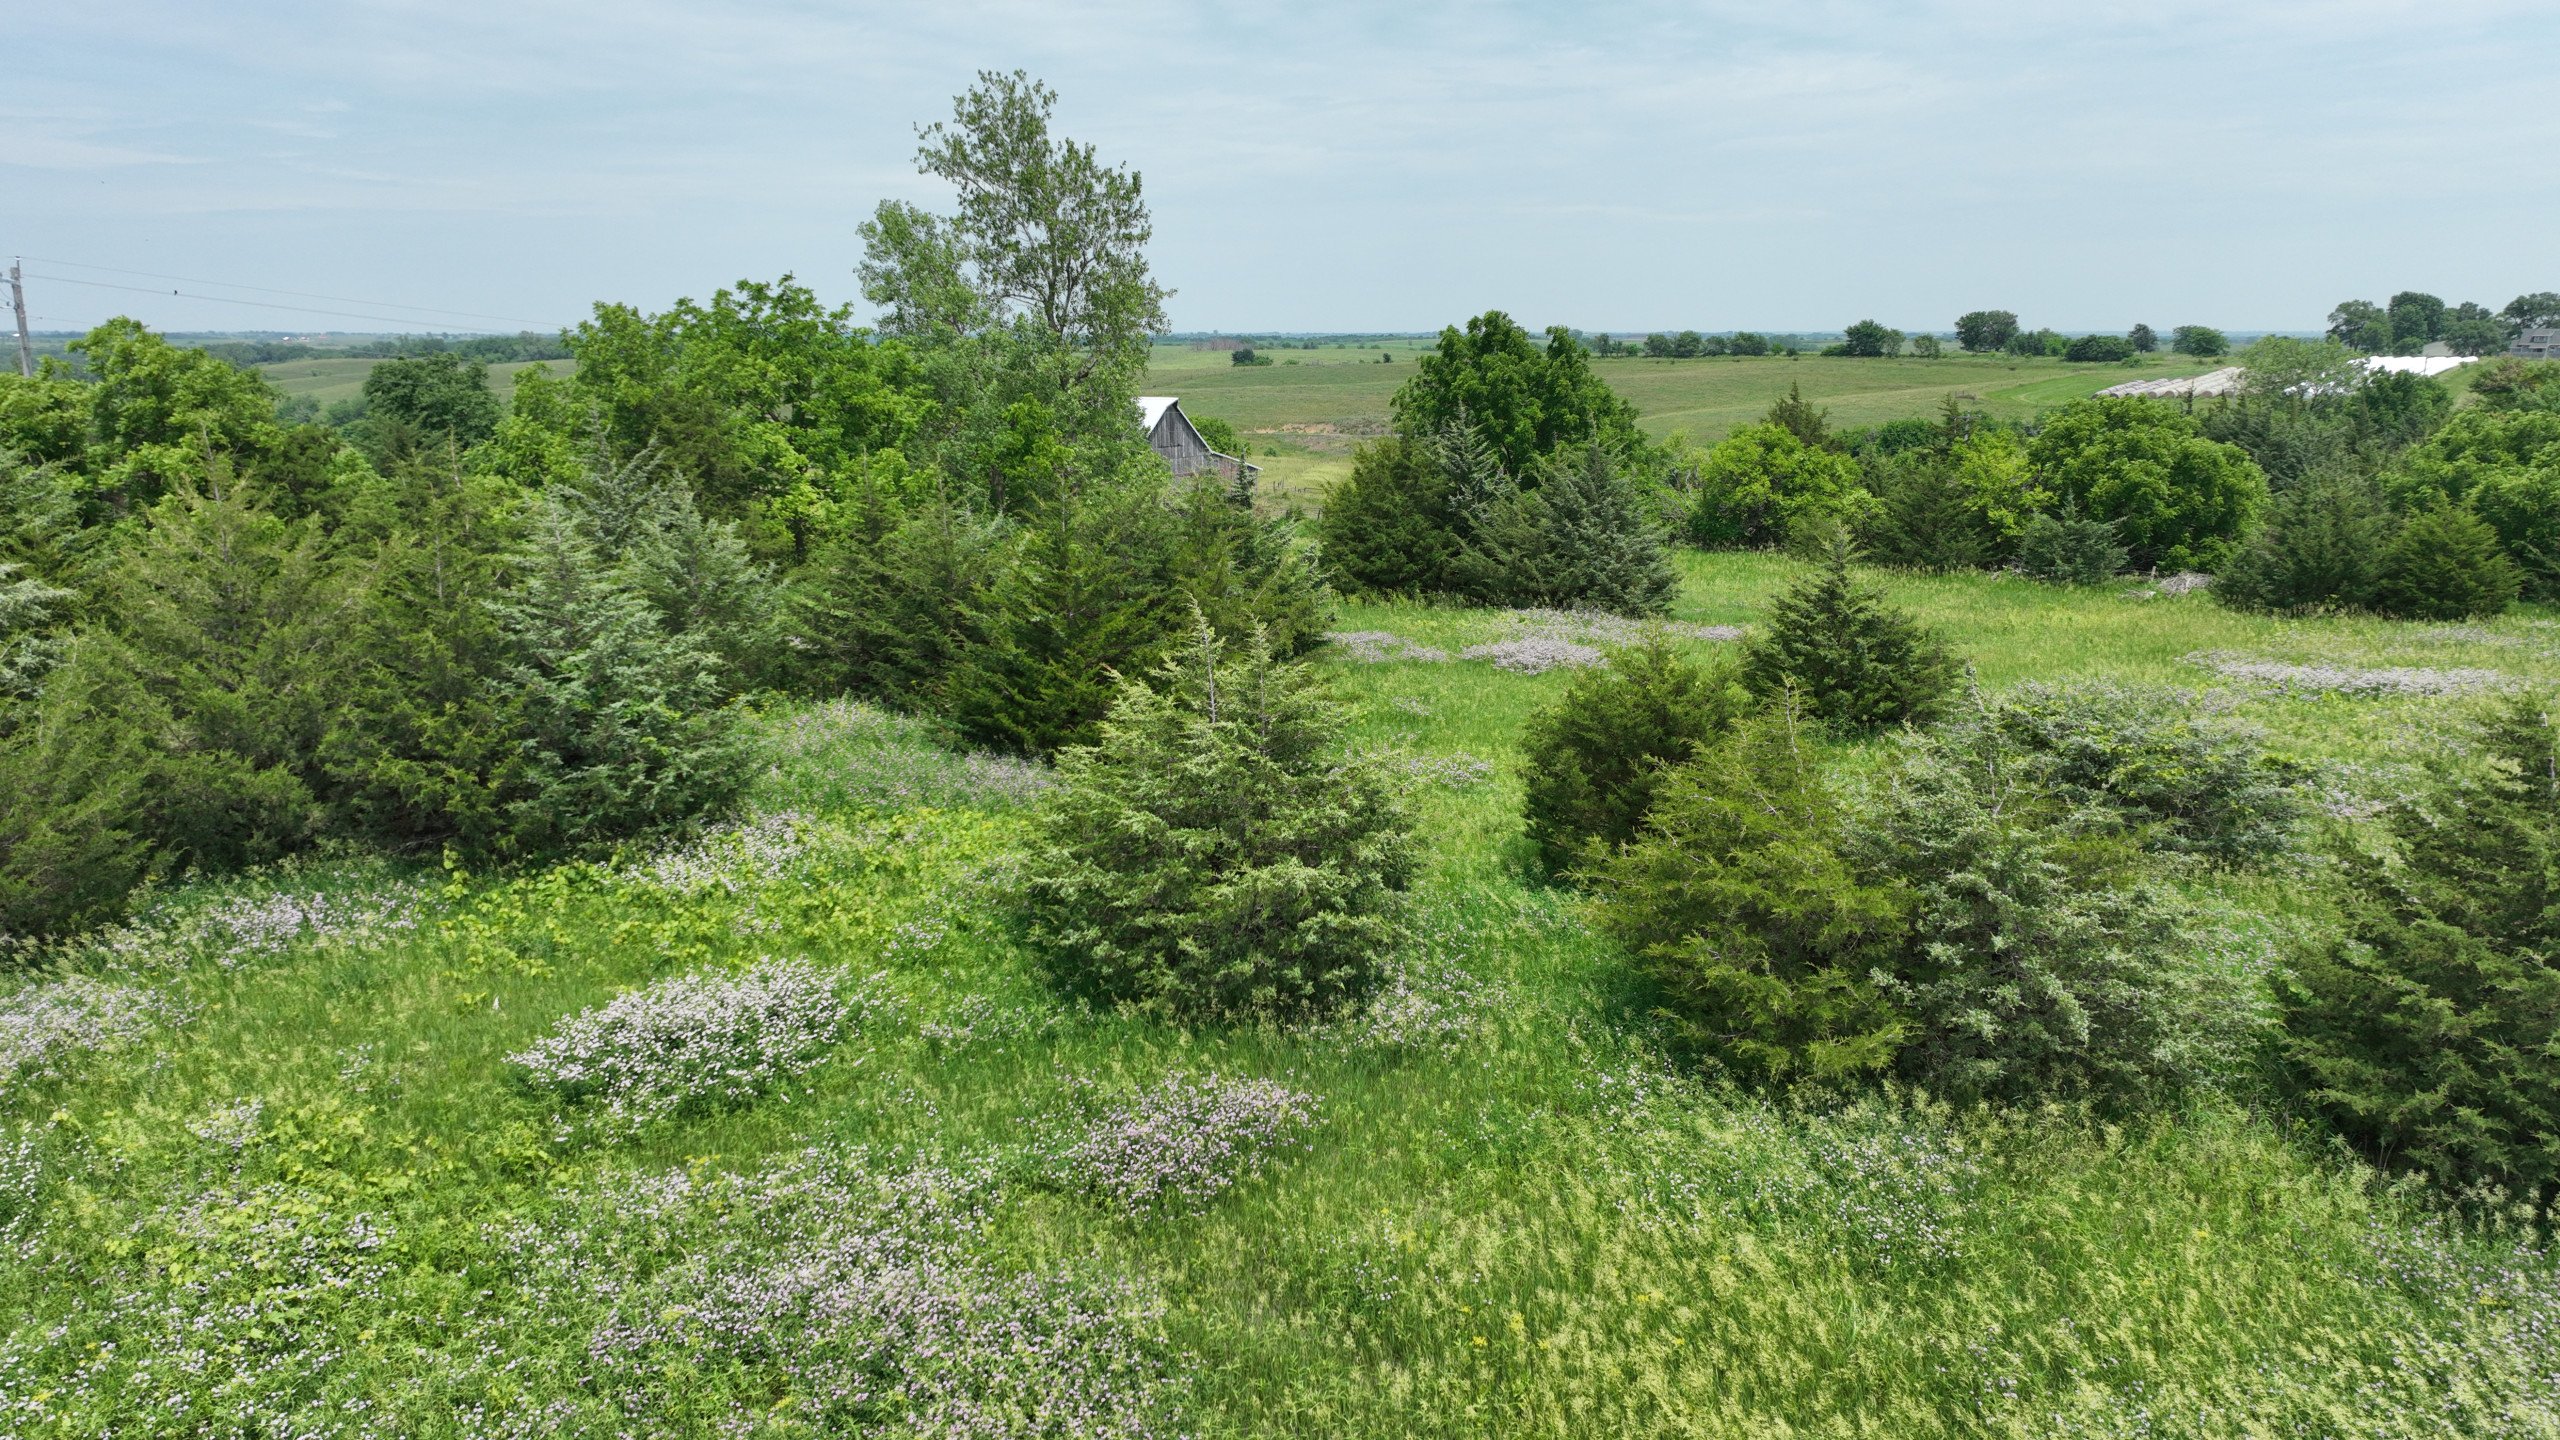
(1184, 1143)
(694, 1041)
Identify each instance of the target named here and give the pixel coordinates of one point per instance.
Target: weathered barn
(1173, 436)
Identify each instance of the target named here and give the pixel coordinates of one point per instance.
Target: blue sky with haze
(1313, 166)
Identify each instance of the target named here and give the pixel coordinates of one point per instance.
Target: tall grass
(292, 1185)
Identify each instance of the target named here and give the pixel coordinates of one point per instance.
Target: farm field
(310, 1169)
(1302, 421)
(330, 381)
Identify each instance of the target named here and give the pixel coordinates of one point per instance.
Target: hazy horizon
(1334, 169)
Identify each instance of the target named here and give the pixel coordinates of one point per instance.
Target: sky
(1312, 166)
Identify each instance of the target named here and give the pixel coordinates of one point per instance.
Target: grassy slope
(1534, 1232)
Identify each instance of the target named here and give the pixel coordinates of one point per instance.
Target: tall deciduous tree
(1527, 400)
(1985, 331)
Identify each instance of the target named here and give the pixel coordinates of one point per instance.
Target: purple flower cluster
(2286, 678)
(1536, 654)
(1423, 1002)
(851, 1290)
(1185, 1142)
(44, 1026)
(696, 1040)
(730, 859)
(1379, 647)
(844, 752)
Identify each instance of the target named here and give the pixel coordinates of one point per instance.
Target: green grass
(1539, 1229)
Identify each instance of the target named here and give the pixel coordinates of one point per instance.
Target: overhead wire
(258, 304)
(272, 290)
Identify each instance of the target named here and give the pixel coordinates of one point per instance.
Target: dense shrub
(1764, 483)
(1583, 538)
(1743, 909)
(2178, 500)
(1215, 852)
(2173, 777)
(1528, 401)
(2099, 349)
(888, 607)
(71, 776)
(2429, 1031)
(2445, 565)
(1387, 527)
(2069, 548)
(1925, 516)
(616, 726)
(2322, 548)
(1848, 658)
(2506, 467)
(2038, 962)
(1593, 759)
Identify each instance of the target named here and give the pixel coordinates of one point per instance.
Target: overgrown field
(330, 381)
(1302, 420)
(267, 1166)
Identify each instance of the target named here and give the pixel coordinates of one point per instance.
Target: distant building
(2536, 345)
(1172, 435)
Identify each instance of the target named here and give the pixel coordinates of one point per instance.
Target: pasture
(1302, 421)
(308, 1192)
(330, 381)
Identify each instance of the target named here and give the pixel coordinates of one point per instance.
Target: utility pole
(18, 302)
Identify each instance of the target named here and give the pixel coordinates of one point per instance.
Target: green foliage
(2069, 548)
(1388, 528)
(2153, 768)
(1926, 516)
(1243, 573)
(1763, 485)
(2300, 372)
(2429, 1032)
(1583, 538)
(2201, 341)
(616, 725)
(1742, 907)
(1527, 402)
(1800, 417)
(2445, 564)
(2507, 383)
(2037, 964)
(2177, 499)
(72, 772)
(2322, 548)
(892, 603)
(154, 412)
(1985, 332)
(2107, 349)
(429, 402)
(1869, 338)
(1215, 853)
(1593, 759)
(2143, 339)
(694, 572)
(2503, 464)
(1845, 656)
(1220, 435)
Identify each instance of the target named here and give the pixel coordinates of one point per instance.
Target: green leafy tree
(2301, 373)
(1582, 538)
(156, 409)
(1526, 401)
(2361, 325)
(1594, 758)
(2143, 339)
(1220, 435)
(1869, 338)
(2201, 341)
(1046, 249)
(2539, 310)
(2416, 318)
(2511, 384)
(2176, 498)
(1762, 485)
(1742, 907)
(1849, 659)
(2322, 548)
(1800, 417)
(2471, 328)
(1986, 332)
(2001, 487)
(1927, 347)
(1747, 342)
(2098, 349)
(2505, 466)
(1216, 852)
(2428, 1032)
(2445, 564)
(429, 401)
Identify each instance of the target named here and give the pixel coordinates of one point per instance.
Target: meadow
(330, 381)
(266, 1166)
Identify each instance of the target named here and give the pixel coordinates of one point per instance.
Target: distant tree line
(2411, 320)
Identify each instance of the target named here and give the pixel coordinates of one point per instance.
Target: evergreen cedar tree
(2069, 548)
(1216, 853)
(2444, 565)
(2429, 1031)
(1834, 648)
(2504, 465)
(1925, 517)
(1592, 760)
(2178, 500)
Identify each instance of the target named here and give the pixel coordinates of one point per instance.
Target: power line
(270, 290)
(259, 304)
